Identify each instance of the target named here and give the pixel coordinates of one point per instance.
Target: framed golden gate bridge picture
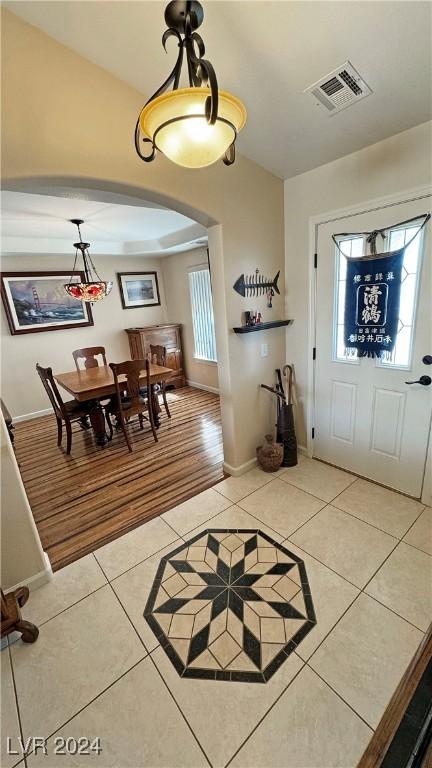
(37, 301)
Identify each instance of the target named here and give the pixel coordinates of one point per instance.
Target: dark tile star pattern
(230, 605)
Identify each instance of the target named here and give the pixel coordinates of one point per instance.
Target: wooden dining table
(98, 383)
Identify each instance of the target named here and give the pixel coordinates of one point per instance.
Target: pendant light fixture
(195, 126)
(93, 289)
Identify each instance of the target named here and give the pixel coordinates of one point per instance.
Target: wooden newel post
(11, 620)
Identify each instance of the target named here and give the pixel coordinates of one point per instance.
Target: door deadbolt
(427, 359)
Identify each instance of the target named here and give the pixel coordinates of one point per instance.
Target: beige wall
(21, 387)
(22, 557)
(176, 269)
(44, 85)
(395, 165)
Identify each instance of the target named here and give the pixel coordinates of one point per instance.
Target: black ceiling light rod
(85, 253)
(184, 18)
(93, 288)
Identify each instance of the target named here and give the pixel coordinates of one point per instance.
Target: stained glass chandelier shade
(93, 288)
(194, 126)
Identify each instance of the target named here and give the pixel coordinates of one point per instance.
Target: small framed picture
(138, 289)
(37, 301)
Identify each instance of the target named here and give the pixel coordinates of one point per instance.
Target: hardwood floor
(84, 500)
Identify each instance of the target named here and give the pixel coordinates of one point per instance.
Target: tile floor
(98, 670)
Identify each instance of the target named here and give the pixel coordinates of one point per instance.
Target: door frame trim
(366, 206)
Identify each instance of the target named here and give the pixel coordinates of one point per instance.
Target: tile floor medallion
(230, 605)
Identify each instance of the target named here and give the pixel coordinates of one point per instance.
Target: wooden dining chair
(129, 400)
(159, 355)
(67, 412)
(89, 355)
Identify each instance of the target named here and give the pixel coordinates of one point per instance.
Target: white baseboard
(237, 471)
(36, 581)
(34, 415)
(202, 386)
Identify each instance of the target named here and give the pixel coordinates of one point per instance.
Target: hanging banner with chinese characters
(373, 289)
(373, 286)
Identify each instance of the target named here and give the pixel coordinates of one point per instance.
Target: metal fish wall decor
(255, 285)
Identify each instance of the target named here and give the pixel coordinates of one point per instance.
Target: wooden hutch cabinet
(168, 336)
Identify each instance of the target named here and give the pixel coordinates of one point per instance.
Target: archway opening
(106, 194)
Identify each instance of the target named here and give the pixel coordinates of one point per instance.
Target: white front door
(367, 418)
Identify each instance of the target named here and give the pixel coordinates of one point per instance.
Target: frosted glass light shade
(191, 141)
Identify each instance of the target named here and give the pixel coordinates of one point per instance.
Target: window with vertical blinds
(202, 314)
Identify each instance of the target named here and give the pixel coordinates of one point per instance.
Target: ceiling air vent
(339, 89)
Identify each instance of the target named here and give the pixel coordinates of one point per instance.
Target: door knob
(424, 380)
(427, 359)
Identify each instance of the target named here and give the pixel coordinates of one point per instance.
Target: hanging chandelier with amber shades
(196, 126)
(93, 288)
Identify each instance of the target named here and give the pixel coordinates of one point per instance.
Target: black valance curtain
(372, 297)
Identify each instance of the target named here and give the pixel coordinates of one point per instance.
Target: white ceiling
(268, 53)
(33, 223)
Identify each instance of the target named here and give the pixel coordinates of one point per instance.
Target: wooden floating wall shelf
(262, 326)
